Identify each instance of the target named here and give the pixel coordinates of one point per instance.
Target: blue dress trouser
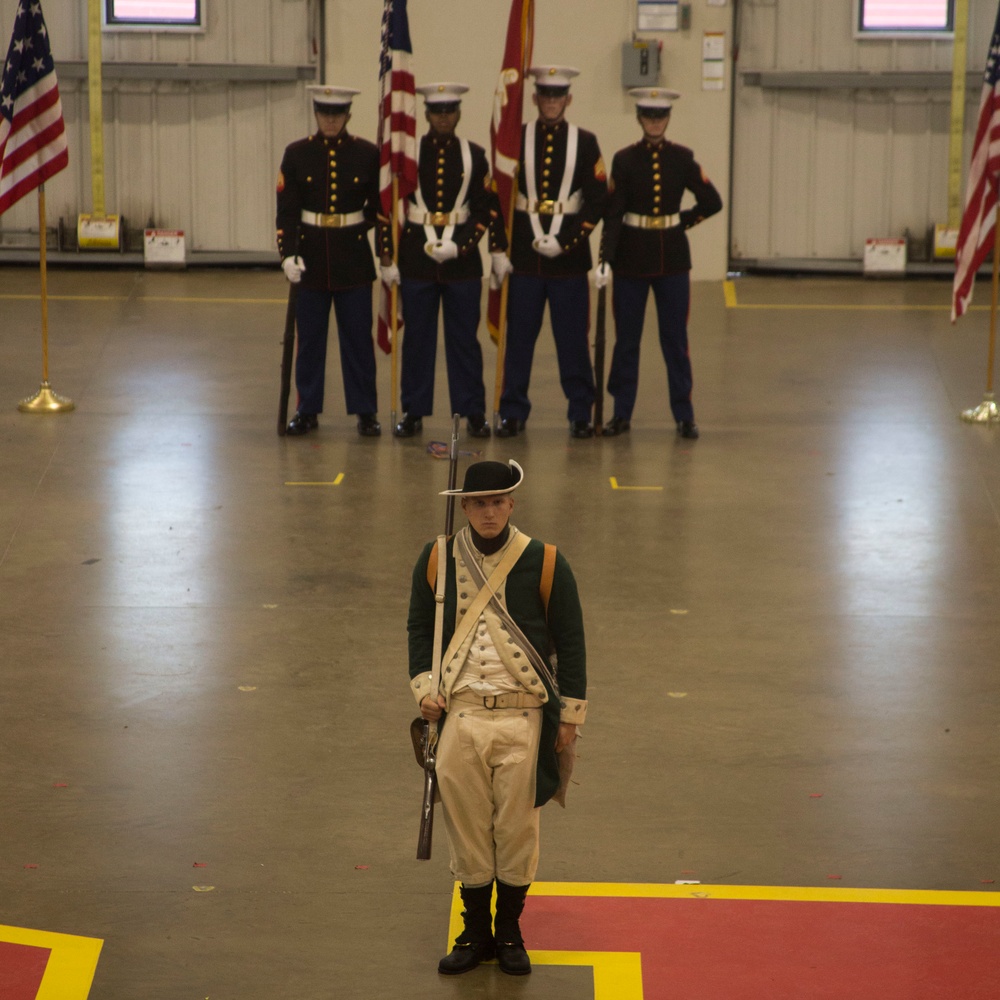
(569, 310)
(353, 309)
(672, 293)
(459, 301)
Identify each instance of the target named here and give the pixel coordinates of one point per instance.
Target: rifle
(602, 310)
(428, 732)
(287, 353)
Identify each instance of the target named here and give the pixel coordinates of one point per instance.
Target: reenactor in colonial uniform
(505, 720)
(328, 198)
(562, 190)
(645, 245)
(441, 268)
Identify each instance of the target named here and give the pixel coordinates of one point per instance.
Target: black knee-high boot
(510, 951)
(475, 943)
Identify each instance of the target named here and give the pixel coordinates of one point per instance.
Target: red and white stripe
(978, 229)
(33, 145)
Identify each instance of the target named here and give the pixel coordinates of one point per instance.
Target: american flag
(505, 127)
(32, 133)
(397, 130)
(977, 232)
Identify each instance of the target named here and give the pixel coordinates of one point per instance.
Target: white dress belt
(332, 221)
(420, 217)
(651, 221)
(570, 206)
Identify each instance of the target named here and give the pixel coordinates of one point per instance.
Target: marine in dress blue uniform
(562, 190)
(645, 245)
(440, 266)
(328, 197)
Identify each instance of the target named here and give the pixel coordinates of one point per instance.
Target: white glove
(294, 267)
(500, 266)
(548, 246)
(390, 274)
(442, 250)
(602, 274)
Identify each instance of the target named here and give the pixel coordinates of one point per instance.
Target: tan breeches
(486, 774)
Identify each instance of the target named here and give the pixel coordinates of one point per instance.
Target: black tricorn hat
(488, 478)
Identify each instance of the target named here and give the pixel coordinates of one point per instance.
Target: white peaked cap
(321, 93)
(553, 76)
(653, 97)
(442, 93)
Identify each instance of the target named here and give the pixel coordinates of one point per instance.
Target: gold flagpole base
(46, 401)
(985, 413)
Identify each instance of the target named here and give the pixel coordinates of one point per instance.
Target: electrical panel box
(640, 64)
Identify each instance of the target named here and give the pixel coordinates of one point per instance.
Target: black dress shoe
(512, 958)
(581, 429)
(408, 426)
(302, 423)
(688, 429)
(368, 425)
(510, 427)
(465, 957)
(478, 427)
(616, 426)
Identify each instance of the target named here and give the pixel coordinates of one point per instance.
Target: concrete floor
(793, 630)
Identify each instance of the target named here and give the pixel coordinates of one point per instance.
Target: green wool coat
(562, 634)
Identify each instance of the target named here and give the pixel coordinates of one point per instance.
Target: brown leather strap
(544, 583)
(548, 572)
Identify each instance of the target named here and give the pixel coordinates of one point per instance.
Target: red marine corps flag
(977, 232)
(397, 141)
(32, 134)
(505, 128)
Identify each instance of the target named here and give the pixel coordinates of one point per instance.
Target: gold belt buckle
(329, 221)
(547, 207)
(439, 218)
(656, 222)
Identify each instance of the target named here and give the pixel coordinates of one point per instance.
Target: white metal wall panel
(817, 171)
(198, 155)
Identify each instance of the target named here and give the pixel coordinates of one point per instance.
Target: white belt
(332, 221)
(651, 221)
(570, 206)
(515, 699)
(420, 218)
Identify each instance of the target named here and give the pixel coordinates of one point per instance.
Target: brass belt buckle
(329, 221)
(547, 207)
(439, 218)
(656, 221)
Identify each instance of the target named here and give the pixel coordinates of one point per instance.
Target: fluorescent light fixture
(906, 16)
(154, 13)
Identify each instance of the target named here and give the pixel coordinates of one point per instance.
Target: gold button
(333, 187)
(545, 173)
(308, 180)
(548, 159)
(656, 187)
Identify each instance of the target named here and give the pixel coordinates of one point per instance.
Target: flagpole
(502, 319)
(45, 400)
(393, 304)
(986, 412)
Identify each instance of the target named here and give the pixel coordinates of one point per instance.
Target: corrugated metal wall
(817, 167)
(194, 154)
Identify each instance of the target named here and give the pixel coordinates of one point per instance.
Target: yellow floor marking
(72, 961)
(336, 482)
(145, 298)
(809, 894)
(729, 291)
(615, 486)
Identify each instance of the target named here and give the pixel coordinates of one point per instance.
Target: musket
(287, 354)
(599, 336)
(428, 738)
